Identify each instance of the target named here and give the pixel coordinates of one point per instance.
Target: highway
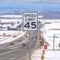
(19, 52)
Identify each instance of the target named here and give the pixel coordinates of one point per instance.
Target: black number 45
(32, 25)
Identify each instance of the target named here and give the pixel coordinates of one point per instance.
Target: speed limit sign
(30, 21)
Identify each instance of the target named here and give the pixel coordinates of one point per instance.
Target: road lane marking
(9, 52)
(11, 58)
(7, 58)
(14, 47)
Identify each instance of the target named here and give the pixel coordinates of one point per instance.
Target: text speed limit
(30, 21)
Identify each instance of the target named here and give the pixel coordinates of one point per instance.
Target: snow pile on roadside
(52, 55)
(36, 55)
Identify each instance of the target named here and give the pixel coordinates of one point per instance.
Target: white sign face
(30, 21)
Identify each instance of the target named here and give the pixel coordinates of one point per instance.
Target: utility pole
(53, 42)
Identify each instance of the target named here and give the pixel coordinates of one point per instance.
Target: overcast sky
(34, 0)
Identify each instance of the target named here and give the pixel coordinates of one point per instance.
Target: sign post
(54, 40)
(29, 24)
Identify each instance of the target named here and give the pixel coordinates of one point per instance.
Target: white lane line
(9, 52)
(7, 58)
(11, 58)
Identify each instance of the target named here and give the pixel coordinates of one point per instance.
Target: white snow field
(51, 33)
(9, 36)
(8, 28)
(49, 55)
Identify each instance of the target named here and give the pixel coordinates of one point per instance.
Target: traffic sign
(29, 21)
(56, 36)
